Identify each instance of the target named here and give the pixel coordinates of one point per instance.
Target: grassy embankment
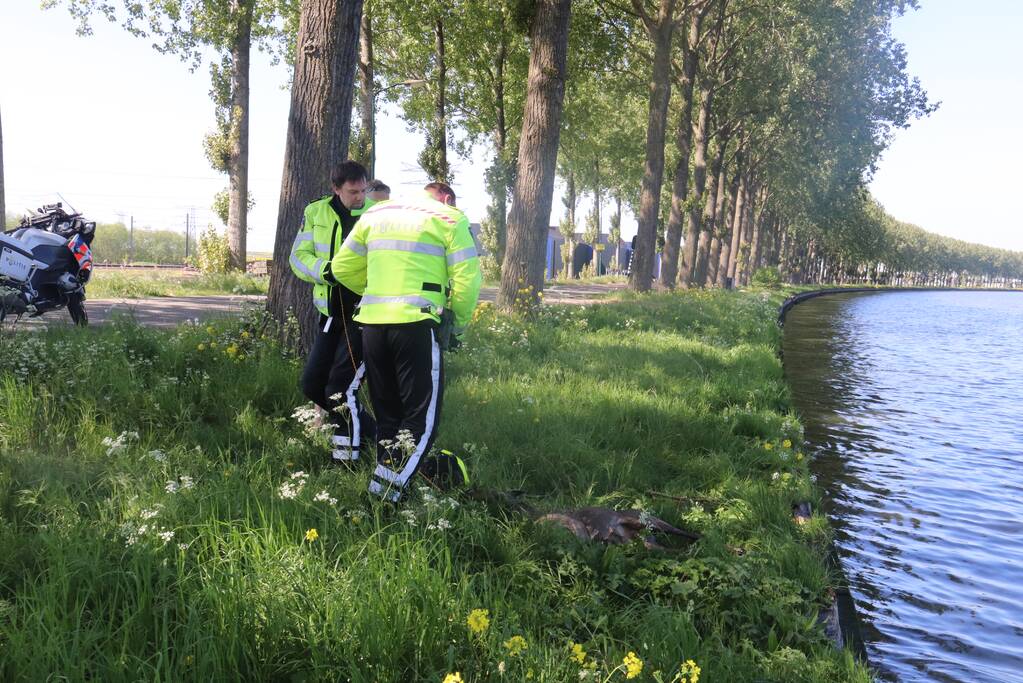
(110, 282)
(195, 550)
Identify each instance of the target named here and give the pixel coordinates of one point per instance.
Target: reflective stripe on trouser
(406, 384)
(335, 368)
(347, 447)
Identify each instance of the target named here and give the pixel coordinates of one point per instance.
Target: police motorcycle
(45, 263)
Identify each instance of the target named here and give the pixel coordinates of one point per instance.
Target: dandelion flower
(786, 443)
(200, 347)
(768, 446)
(578, 653)
(453, 678)
(633, 665)
(478, 620)
(515, 645)
(311, 535)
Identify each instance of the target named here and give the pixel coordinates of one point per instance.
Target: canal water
(913, 406)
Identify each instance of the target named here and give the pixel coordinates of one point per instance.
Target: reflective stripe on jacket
(401, 257)
(311, 251)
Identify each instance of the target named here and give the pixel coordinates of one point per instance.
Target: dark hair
(443, 188)
(348, 172)
(377, 186)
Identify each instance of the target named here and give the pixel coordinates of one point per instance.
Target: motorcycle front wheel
(76, 308)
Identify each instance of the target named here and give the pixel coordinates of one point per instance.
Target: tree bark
(238, 167)
(367, 96)
(693, 227)
(684, 142)
(717, 231)
(501, 145)
(3, 201)
(441, 114)
(731, 244)
(707, 219)
(660, 30)
(529, 219)
(738, 223)
(318, 129)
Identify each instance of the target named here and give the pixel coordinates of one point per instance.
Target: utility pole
(186, 236)
(131, 240)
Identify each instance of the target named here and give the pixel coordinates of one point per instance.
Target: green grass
(682, 394)
(112, 282)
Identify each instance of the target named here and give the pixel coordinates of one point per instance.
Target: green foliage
(222, 204)
(156, 501)
(768, 277)
(113, 244)
(212, 254)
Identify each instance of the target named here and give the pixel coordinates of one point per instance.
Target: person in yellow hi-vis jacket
(334, 370)
(410, 260)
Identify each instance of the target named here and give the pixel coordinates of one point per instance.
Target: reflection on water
(911, 403)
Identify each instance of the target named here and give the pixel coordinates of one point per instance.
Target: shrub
(767, 277)
(213, 255)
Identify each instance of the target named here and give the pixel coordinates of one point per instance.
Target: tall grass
(112, 282)
(158, 502)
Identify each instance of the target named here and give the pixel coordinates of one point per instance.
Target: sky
(116, 128)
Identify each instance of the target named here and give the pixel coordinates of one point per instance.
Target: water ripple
(911, 406)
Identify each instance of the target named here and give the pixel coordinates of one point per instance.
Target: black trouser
(406, 385)
(331, 380)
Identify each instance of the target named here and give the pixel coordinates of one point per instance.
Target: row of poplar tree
(740, 133)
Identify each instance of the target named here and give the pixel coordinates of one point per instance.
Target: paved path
(172, 311)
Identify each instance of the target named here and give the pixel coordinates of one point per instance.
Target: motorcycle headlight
(89, 228)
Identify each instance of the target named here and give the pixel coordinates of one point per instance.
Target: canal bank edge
(843, 607)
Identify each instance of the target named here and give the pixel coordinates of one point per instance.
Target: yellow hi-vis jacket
(401, 257)
(318, 240)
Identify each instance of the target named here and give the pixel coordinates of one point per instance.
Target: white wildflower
(149, 513)
(158, 455)
(409, 516)
(774, 477)
(325, 497)
(440, 525)
(186, 482)
(171, 487)
(166, 536)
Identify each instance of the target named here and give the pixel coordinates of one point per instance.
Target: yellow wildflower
(633, 665)
(453, 678)
(768, 446)
(787, 443)
(312, 535)
(515, 645)
(209, 329)
(201, 347)
(245, 334)
(689, 672)
(231, 350)
(478, 620)
(578, 653)
(799, 456)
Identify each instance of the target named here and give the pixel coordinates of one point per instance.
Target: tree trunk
(707, 219)
(441, 114)
(716, 230)
(699, 181)
(529, 219)
(731, 243)
(367, 97)
(738, 222)
(326, 57)
(660, 30)
(238, 166)
(684, 142)
(3, 202)
(501, 146)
